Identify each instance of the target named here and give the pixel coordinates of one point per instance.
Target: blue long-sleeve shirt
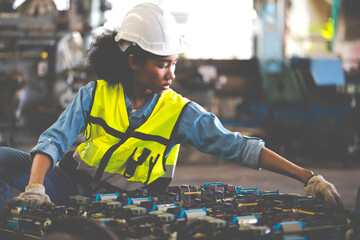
(197, 127)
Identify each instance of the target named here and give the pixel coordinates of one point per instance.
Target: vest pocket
(142, 164)
(132, 164)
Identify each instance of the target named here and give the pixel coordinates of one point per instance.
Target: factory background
(284, 71)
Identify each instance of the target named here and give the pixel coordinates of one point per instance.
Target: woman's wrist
(307, 181)
(306, 176)
(40, 166)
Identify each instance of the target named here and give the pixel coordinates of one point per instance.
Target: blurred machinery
(39, 46)
(308, 111)
(27, 53)
(302, 106)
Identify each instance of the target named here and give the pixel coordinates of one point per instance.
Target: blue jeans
(15, 168)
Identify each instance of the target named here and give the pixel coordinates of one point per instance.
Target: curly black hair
(106, 59)
(111, 64)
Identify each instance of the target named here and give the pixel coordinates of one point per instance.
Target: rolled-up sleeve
(205, 132)
(58, 138)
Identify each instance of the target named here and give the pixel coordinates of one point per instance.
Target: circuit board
(210, 211)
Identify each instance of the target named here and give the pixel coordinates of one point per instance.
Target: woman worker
(134, 124)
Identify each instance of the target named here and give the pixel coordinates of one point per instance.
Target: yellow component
(278, 208)
(97, 215)
(120, 220)
(190, 193)
(247, 204)
(44, 55)
(287, 210)
(199, 235)
(306, 212)
(12, 221)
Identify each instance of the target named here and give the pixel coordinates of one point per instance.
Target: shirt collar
(146, 109)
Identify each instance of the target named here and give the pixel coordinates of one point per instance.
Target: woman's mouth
(165, 87)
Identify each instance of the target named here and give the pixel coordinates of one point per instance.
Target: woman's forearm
(40, 166)
(272, 161)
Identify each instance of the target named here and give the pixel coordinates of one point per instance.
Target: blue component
(183, 212)
(214, 183)
(105, 222)
(278, 226)
(269, 194)
(130, 200)
(235, 219)
(294, 238)
(302, 199)
(23, 208)
(156, 206)
(13, 223)
(240, 190)
(99, 195)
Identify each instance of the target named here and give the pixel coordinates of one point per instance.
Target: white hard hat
(153, 29)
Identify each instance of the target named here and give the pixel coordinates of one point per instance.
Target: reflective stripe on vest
(136, 154)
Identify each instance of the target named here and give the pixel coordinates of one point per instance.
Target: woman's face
(157, 73)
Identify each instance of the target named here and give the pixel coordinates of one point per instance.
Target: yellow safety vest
(137, 154)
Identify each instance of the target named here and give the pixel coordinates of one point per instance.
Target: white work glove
(319, 188)
(33, 197)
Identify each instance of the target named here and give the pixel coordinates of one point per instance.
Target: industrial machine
(39, 46)
(27, 53)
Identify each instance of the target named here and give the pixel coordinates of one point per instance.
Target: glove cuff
(313, 175)
(35, 188)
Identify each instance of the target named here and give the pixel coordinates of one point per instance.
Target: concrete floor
(195, 168)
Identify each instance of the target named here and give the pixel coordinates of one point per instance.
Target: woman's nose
(171, 73)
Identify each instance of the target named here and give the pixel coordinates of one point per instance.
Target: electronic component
(211, 211)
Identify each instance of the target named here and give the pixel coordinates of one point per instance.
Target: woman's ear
(132, 62)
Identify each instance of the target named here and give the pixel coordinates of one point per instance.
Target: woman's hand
(33, 197)
(315, 185)
(319, 188)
